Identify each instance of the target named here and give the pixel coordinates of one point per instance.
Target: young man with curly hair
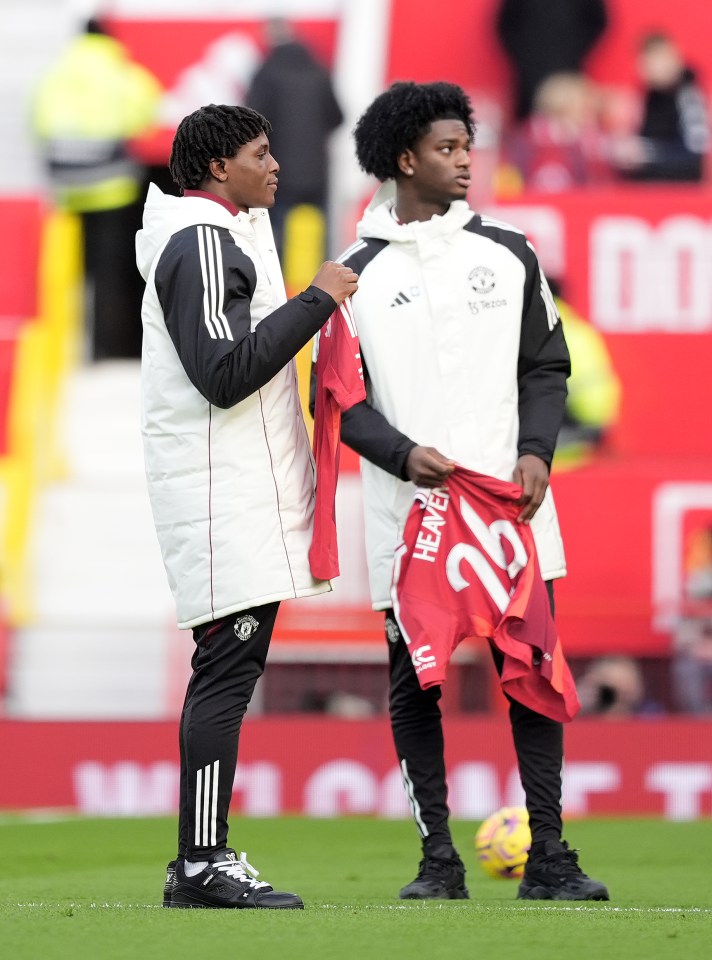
(465, 361)
(229, 469)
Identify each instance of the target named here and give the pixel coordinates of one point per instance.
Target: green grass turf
(92, 888)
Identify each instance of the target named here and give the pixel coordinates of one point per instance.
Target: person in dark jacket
(674, 133)
(295, 91)
(542, 37)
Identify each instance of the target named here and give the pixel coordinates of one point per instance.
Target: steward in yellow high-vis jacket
(594, 397)
(88, 107)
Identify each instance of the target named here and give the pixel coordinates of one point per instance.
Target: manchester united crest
(482, 279)
(245, 627)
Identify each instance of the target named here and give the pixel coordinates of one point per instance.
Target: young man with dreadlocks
(465, 361)
(229, 469)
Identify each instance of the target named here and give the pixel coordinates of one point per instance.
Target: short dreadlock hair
(211, 133)
(400, 116)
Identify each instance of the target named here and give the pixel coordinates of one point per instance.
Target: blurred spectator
(692, 661)
(594, 397)
(295, 91)
(87, 108)
(612, 687)
(560, 145)
(674, 133)
(542, 37)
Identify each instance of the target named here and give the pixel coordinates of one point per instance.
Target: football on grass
(503, 841)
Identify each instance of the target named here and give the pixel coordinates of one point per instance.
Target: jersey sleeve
(363, 428)
(343, 373)
(369, 434)
(205, 284)
(543, 365)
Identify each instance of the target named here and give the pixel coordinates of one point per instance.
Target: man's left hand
(532, 475)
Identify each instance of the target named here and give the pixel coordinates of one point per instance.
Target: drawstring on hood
(378, 221)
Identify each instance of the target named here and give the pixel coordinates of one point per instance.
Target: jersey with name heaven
(467, 569)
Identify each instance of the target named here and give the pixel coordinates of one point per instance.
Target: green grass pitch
(92, 888)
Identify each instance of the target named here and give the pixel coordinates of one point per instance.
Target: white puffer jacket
(231, 488)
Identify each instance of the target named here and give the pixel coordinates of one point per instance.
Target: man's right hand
(337, 280)
(428, 468)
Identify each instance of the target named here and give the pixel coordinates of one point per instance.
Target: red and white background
(638, 265)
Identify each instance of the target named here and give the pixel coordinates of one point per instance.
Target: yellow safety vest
(89, 104)
(594, 388)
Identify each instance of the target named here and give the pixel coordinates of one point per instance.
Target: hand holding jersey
(337, 280)
(532, 475)
(428, 468)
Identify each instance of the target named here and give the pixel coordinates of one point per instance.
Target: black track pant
(229, 658)
(418, 736)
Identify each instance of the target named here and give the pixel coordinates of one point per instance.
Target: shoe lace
(241, 870)
(435, 866)
(566, 863)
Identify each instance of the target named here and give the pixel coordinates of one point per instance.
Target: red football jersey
(339, 385)
(466, 568)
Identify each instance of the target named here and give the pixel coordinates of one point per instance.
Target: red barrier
(20, 231)
(326, 767)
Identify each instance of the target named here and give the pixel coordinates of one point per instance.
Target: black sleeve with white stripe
(543, 365)
(205, 284)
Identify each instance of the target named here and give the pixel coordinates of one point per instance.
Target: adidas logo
(400, 299)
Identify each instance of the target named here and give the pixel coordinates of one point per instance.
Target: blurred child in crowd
(560, 145)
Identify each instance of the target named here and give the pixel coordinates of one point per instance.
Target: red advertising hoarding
(327, 767)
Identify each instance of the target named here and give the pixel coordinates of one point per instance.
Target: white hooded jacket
(463, 351)
(228, 462)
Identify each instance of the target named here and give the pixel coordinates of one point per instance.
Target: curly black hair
(400, 116)
(208, 134)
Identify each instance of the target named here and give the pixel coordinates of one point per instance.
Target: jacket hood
(164, 215)
(378, 220)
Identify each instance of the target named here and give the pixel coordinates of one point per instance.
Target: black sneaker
(439, 878)
(554, 874)
(170, 883)
(228, 882)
